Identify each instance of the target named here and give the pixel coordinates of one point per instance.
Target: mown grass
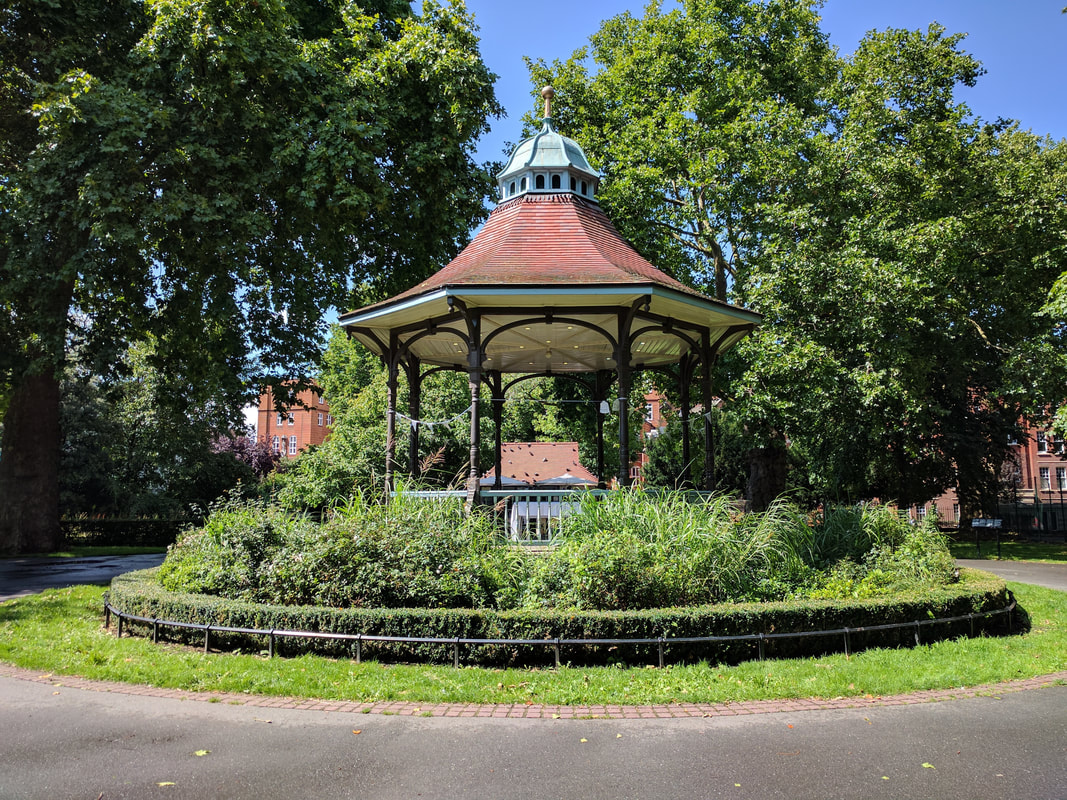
(1046, 552)
(60, 632)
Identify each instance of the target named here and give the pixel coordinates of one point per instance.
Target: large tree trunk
(29, 468)
(767, 472)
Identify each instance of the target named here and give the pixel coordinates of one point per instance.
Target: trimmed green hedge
(139, 594)
(119, 532)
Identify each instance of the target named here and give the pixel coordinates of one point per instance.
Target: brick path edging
(541, 711)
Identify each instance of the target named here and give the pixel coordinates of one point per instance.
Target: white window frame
(274, 445)
(320, 419)
(1044, 477)
(1061, 478)
(1042, 442)
(292, 445)
(292, 418)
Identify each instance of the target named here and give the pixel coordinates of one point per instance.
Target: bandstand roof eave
(407, 310)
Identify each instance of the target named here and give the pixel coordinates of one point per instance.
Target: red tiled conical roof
(547, 240)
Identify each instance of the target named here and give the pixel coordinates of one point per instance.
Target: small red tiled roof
(541, 462)
(545, 240)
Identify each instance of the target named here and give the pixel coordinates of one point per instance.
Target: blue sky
(1021, 43)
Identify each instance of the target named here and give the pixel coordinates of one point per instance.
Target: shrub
(625, 550)
(140, 594)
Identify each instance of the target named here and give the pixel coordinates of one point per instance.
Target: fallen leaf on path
(201, 752)
(165, 783)
(583, 740)
(928, 765)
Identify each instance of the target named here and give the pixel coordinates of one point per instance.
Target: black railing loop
(661, 642)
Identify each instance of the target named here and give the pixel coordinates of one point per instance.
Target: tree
(898, 249)
(214, 175)
(697, 117)
(902, 342)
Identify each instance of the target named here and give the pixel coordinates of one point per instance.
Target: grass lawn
(60, 631)
(1012, 550)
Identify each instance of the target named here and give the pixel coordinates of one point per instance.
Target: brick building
(290, 432)
(1034, 486)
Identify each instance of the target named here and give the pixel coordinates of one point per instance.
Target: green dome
(548, 162)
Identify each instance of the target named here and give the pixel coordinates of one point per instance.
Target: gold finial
(548, 93)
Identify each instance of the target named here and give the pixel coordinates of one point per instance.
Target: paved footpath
(64, 738)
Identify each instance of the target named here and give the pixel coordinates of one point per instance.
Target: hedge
(139, 594)
(119, 532)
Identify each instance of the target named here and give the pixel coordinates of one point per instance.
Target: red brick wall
(305, 422)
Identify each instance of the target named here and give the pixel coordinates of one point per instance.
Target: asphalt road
(1054, 576)
(22, 576)
(71, 743)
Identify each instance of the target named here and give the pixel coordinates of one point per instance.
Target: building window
(329, 419)
(292, 418)
(281, 420)
(274, 444)
(574, 184)
(1042, 442)
(555, 182)
(1061, 478)
(320, 419)
(522, 184)
(584, 190)
(920, 513)
(292, 445)
(635, 473)
(956, 512)
(1045, 485)
(539, 182)
(321, 401)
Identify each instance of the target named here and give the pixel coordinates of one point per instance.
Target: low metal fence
(662, 643)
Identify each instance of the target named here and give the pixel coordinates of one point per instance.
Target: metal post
(455, 653)
(207, 638)
(661, 652)
(848, 648)
(359, 648)
(555, 650)
(762, 652)
(270, 644)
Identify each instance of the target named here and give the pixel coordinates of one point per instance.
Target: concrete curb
(539, 711)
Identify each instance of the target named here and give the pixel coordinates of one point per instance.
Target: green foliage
(140, 593)
(400, 554)
(627, 550)
(899, 250)
(120, 454)
(215, 176)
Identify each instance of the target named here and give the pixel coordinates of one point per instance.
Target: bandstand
(548, 286)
